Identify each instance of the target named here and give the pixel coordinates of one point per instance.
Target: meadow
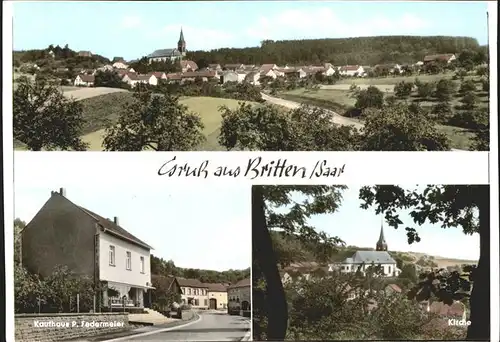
(337, 97)
(101, 108)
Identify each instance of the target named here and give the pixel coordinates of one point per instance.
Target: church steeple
(381, 244)
(181, 45)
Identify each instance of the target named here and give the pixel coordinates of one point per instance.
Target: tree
(454, 206)
(371, 97)
(401, 128)
(424, 89)
(444, 89)
(481, 140)
(442, 110)
(265, 217)
(408, 271)
(485, 83)
(18, 227)
(109, 79)
(467, 86)
(154, 121)
(469, 101)
(403, 89)
(163, 296)
(45, 119)
(270, 128)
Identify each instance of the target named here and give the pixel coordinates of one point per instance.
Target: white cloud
(131, 21)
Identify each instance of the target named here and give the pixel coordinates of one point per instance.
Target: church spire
(181, 45)
(381, 244)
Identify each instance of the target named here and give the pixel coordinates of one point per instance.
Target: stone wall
(58, 327)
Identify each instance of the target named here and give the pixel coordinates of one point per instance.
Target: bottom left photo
(131, 263)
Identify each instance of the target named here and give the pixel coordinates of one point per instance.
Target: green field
(396, 79)
(100, 110)
(338, 99)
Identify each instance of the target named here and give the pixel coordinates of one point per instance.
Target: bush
(371, 97)
(424, 89)
(444, 89)
(403, 89)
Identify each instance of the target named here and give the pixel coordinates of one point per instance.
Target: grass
(339, 100)
(391, 80)
(101, 110)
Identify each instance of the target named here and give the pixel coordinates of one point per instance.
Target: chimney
(116, 221)
(62, 192)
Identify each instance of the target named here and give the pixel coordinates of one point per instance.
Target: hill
(340, 51)
(300, 255)
(163, 267)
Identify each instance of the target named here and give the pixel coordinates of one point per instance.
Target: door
(213, 304)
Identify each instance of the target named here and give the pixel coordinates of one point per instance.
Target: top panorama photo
(251, 76)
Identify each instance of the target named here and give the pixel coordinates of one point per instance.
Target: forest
(342, 51)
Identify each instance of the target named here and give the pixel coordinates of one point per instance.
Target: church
(361, 260)
(163, 55)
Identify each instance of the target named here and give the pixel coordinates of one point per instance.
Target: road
(337, 118)
(212, 326)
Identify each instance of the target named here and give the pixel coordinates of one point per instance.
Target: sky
(206, 227)
(134, 29)
(361, 228)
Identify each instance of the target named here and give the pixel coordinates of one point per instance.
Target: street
(213, 326)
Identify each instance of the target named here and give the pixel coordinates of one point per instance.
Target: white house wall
(119, 272)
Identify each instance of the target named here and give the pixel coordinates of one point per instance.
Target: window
(197, 302)
(189, 291)
(142, 264)
(112, 255)
(128, 263)
(206, 302)
(183, 290)
(390, 269)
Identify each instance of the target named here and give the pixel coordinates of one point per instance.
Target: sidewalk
(188, 316)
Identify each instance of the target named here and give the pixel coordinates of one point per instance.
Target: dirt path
(86, 93)
(338, 119)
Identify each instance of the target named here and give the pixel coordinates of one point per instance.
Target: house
(392, 288)
(64, 233)
(160, 75)
(268, 67)
(229, 76)
(294, 72)
(390, 68)
(217, 296)
(352, 70)
(203, 75)
(239, 296)
(241, 75)
(174, 77)
(52, 54)
(84, 54)
(169, 283)
(234, 67)
(194, 293)
(133, 79)
(120, 65)
(362, 260)
(253, 78)
(216, 67)
(84, 80)
(164, 55)
(188, 66)
(131, 70)
(268, 73)
(106, 68)
(447, 58)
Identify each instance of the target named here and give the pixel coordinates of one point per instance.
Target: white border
(494, 231)
(8, 176)
(8, 163)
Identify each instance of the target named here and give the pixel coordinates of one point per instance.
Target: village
(236, 72)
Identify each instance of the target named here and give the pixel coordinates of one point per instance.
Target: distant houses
(84, 81)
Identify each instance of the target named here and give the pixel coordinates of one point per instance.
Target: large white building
(63, 233)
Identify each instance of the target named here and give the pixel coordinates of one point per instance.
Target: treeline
(163, 267)
(341, 51)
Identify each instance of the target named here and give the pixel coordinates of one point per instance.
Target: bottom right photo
(371, 262)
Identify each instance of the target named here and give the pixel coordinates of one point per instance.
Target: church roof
(181, 38)
(165, 53)
(381, 238)
(367, 257)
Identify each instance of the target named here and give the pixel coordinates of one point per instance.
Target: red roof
(441, 57)
(190, 64)
(241, 283)
(349, 68)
